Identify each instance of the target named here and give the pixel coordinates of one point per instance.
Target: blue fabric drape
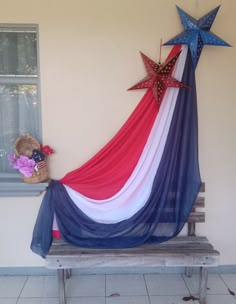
(174, 191)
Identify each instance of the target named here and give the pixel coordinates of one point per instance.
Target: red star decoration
(159, 77)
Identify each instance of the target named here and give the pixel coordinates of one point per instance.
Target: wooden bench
(190, 251)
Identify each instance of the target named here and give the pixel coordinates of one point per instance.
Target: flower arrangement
(25, 165)
(30, 159)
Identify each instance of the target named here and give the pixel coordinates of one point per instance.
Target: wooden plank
(196, 217)
(180, 251)
(167, 251)
(181, 241)
(181, 238)
(200, 202)
(137, 250)
(177, 240)
(147, 261)
(193, 259)
(123, 252)
(202, 188)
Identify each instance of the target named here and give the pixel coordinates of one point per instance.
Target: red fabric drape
(106, 173)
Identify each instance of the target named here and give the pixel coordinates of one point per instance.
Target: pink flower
(12, 160)
(25, 165)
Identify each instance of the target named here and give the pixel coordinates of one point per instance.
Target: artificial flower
(12, 160)
(47, 150)
(25, 165)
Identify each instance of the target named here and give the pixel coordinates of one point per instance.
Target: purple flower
(12, 160)
(25, 165)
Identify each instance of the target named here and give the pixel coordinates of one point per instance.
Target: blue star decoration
(197, 33)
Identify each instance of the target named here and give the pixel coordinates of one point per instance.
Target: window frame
(12, 184)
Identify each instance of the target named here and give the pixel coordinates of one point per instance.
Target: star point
(197, 33)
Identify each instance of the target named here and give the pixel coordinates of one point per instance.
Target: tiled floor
(117, 289)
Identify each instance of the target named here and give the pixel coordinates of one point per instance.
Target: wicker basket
(25, 145)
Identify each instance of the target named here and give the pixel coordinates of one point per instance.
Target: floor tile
(79, 300)
(40, 287)
(168, 300)
(230, 281)
(38, 301)
(219, 299)
(125, 285)
(128, 300)
(85, 285)
(11, 287)
(86, 300)
(215, 284)
(8, 301)
(166, 284)
(119, 289)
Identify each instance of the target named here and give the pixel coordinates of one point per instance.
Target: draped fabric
(105, 173)
(151, 201)
(137, 188)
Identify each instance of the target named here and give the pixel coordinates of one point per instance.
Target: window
(20, 110)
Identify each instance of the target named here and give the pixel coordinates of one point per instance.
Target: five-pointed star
(159, 77)
(197, 33)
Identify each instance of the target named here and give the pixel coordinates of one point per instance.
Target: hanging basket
(25, 145)
(38, 176)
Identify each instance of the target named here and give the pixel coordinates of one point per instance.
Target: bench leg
(189, 271)
(61, 285)
(68, 273)
(203, 285)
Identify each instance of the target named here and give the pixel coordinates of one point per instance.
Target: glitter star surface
(159, 77)
(197, 33)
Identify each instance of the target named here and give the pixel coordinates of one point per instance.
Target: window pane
(18, 53)
(19, 115)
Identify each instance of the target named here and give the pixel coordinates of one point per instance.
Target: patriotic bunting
(151, 193)
(141, 186)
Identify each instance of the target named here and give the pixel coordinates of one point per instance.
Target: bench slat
(202, 188)
(180, 251)
(147, 261)
(177, 240)
(75, 250)
(196, 217)
(200, 202)
(187, 259)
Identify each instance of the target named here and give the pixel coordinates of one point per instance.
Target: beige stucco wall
(89, 56)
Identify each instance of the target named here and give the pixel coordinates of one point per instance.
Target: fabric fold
(134, 194)
(107, 172)
(173, 191)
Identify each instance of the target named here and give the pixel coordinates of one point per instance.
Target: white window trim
(12, 184)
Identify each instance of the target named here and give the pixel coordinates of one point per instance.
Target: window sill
(13, 186)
